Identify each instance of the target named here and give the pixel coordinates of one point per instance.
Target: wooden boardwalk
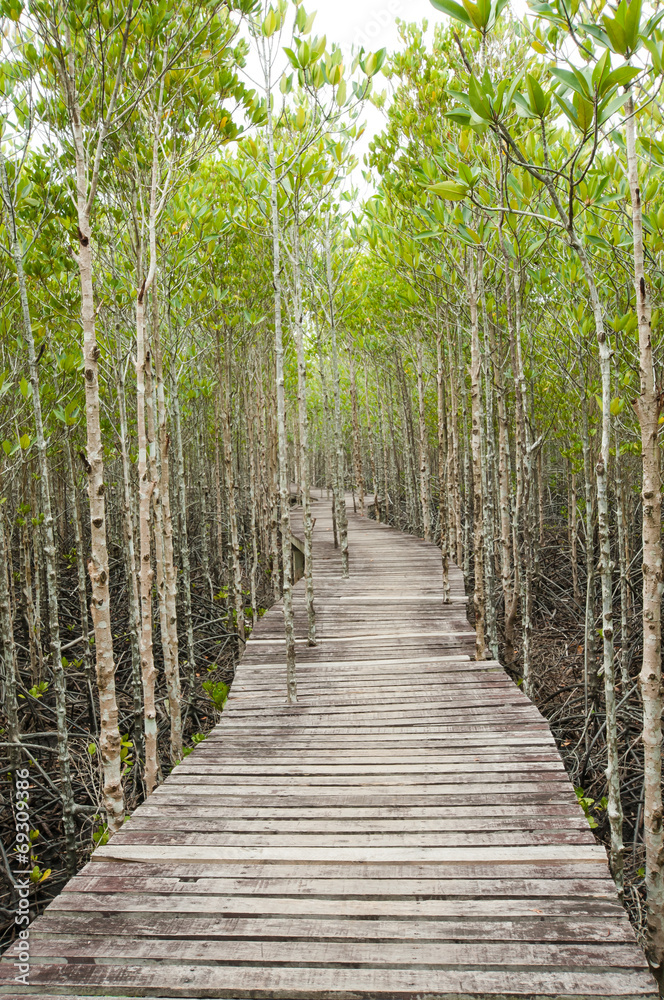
(406, 831)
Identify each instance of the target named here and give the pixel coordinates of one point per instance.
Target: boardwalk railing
(407, 830)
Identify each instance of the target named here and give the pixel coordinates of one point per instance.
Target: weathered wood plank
(338, 983)
(585, 852)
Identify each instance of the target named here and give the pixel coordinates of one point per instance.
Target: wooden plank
(158, 922)
(338, 983)
(375, 954)
(442, 855)
(600, 888)
(500, 908)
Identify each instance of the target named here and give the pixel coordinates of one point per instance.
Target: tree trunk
(145, 490)
(476, 447)
(284, 492)
(184, 545)
(100, 603)
(9, 665)
(339, 477)
(130, 570)
(648, 408)
(443, 469)
(358, 472)
(303, 425)
(82, 585)
(424, 442)
(229, 479)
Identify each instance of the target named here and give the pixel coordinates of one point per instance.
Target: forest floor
(215, 646)
(558, 669)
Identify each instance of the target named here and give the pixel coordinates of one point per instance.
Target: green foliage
(587, 804)
(217, 692)
(101, 834)
(195, 740)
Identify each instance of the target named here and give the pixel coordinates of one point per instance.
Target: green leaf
(478, 100)
(620, 77)
(656, 50)
(270, 24)
(598, 241)
(608, 108)
(598, 33)
(477, 13)
(523, 107)
(24, 441)
(292, 58)
(454, 10)
(617, 35)
(24, 387)
(539, 101)
(375, 62)
(572, 81)
(459, 115)
(601, 71)
(585, 113)
(452, 190)
(633, 23)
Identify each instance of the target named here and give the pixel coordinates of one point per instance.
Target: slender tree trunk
(9, 664)
(229, 479)
(100, 603)
(130, 571)
(648, 408)
(372, 444)
(574, 537)
(35, 653)
(284, 493)
(456, 463)
(590, 678)
(476, 446)
(217, 487)
(424, 442)
(145, 490)
(184, 545)
(303, 425)
(339, 477)
(82, 584)
(488, 470)
(443, 469)
(622, 563)
(358, 472)
(252, 422)
(166, 575)
(506, 553)
(523, 517)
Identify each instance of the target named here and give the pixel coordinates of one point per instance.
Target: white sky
(372, 24)
(368, 22)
